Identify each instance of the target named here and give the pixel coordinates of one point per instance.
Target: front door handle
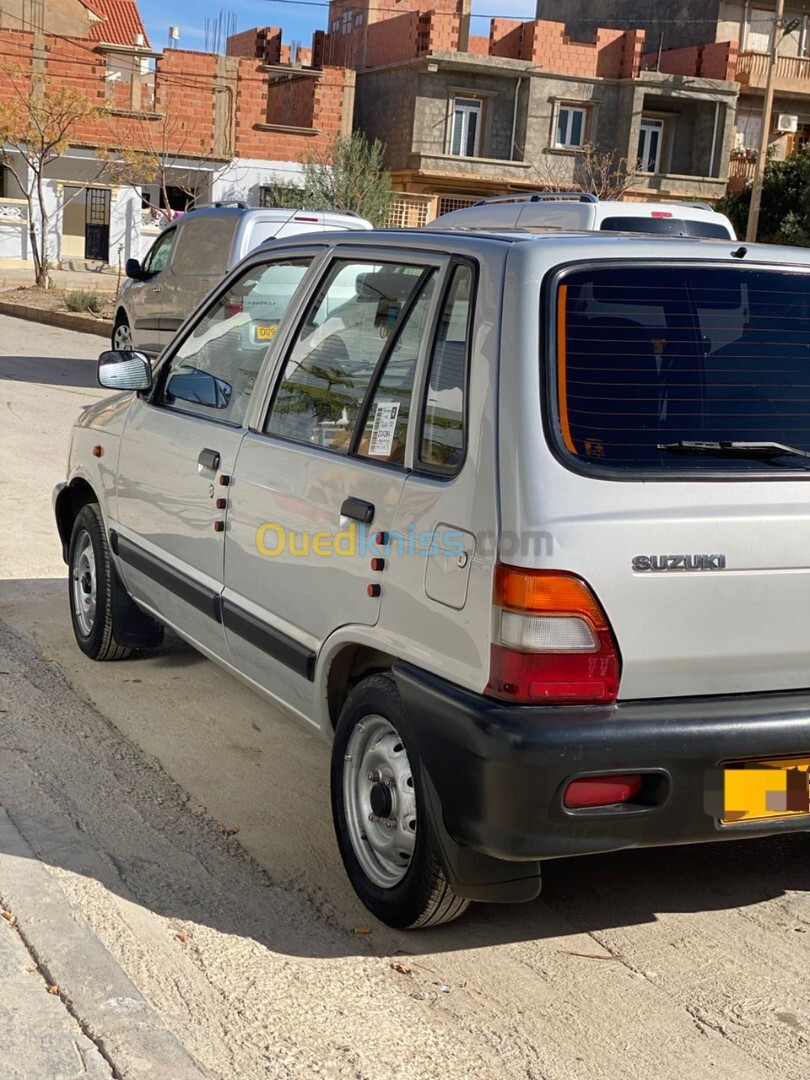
(358, 509)
(209, 459)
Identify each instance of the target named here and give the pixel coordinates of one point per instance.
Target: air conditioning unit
(787, 123)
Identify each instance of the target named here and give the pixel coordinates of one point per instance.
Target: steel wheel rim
(377, 776)
(122, 337)
(84, 583)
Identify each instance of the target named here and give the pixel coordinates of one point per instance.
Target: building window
(358, 18)
(347, 22)
(335, 25)
(571, 127)
(466, 136)
(650, 141)
(759, 30)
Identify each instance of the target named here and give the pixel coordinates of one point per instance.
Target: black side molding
(198, 596)
(274, 642)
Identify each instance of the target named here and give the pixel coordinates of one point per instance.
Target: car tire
(394, 868)
(90, 588)
(122, 333)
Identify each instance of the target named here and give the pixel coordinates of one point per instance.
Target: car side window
(344, 334)
(442, 440)
(213, 372)
(159, 254)
(386, 425)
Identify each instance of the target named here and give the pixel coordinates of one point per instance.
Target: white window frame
(647, 126)
(569, 110)
(467, 106)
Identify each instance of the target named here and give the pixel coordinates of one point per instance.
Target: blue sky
(298, 22)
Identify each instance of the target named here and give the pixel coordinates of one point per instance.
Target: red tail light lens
(601, 791)
(233, 309)
(553, 643)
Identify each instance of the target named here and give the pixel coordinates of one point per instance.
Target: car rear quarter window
(646, 360)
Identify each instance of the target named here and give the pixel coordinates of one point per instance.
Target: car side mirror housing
(133, 269)
(124, 370)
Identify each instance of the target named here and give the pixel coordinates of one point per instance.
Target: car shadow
(51, 370)
(176, 861)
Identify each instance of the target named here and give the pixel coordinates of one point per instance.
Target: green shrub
(84, 300)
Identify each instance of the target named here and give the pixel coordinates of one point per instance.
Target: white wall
(240, 181)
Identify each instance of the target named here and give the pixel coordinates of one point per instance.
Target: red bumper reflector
(601, 791)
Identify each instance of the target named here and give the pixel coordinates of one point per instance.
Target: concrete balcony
(792, 74)
(452, 167)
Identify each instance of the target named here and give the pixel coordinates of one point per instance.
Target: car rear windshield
(666, 226)
(648, 359)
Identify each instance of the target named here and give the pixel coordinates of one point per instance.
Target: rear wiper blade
(729, 449)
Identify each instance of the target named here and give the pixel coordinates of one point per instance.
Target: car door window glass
(386, 427)
(213, 372)
(333, 359)
(442, 441)
(159, 254)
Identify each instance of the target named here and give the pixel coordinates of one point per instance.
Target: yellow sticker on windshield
(265, 333)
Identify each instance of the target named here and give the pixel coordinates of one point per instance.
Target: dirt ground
(195, 837)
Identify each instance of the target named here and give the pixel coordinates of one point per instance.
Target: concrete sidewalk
(100, 280)
(40, 1037)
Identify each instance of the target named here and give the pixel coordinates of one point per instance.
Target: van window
(670, 226)
(650, 360)
(442, 440)
(203, 244)
(344, 334)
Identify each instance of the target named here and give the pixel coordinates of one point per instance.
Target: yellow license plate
(265, 333)
(762, 790)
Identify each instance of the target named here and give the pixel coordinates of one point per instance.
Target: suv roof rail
(700, 206)
(540, 196)
(227, 202)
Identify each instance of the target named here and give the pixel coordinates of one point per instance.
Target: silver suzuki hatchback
(515, 522)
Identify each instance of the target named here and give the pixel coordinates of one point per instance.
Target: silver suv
(515, 522)
(192, 255)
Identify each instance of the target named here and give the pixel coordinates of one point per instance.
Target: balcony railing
(792, 73)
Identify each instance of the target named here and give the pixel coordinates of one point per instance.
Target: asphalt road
(684, 962)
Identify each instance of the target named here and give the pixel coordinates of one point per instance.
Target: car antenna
(740, 253)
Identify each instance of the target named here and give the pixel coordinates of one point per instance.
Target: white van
(193, 254)
(566, 210)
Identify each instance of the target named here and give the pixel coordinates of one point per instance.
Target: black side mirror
(199, 387)
(132, 268)
(124, 370)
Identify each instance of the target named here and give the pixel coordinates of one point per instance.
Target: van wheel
(91, 588)
(122, 334)
(383, 831)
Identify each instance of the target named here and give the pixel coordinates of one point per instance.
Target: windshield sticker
(382, 433)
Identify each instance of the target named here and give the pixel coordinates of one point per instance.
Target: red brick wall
(185, 95)
(717, 60)
(615, 54)
(261, 43)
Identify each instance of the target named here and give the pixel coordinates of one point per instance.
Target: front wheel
(91, 588)
(122, 333)
(382, 828)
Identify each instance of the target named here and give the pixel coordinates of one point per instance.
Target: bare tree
(597, 172)
(155, 155)
(36, 123)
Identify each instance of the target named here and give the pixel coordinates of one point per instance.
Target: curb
(66, 320)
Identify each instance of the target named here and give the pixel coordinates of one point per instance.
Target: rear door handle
(358, 509)
(209, 459)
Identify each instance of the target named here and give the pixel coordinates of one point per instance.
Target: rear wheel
(91, 588)
(383, 831)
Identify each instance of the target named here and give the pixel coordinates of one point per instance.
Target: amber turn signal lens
(550, 592)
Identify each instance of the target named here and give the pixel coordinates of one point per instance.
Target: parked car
(565, 210)
(515, 522)
(191, 256)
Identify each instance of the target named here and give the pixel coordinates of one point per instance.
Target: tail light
(553, 643)
(233, 309)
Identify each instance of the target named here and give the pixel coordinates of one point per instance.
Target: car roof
(559, 247)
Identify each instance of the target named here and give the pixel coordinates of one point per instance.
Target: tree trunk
(44, 271)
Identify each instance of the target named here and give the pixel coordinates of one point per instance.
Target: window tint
(651, 357)
(333, 359)
(442, 442)
(213, 372)
(386, 426)
(204, 244)
(159, 253)
(666, 226)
